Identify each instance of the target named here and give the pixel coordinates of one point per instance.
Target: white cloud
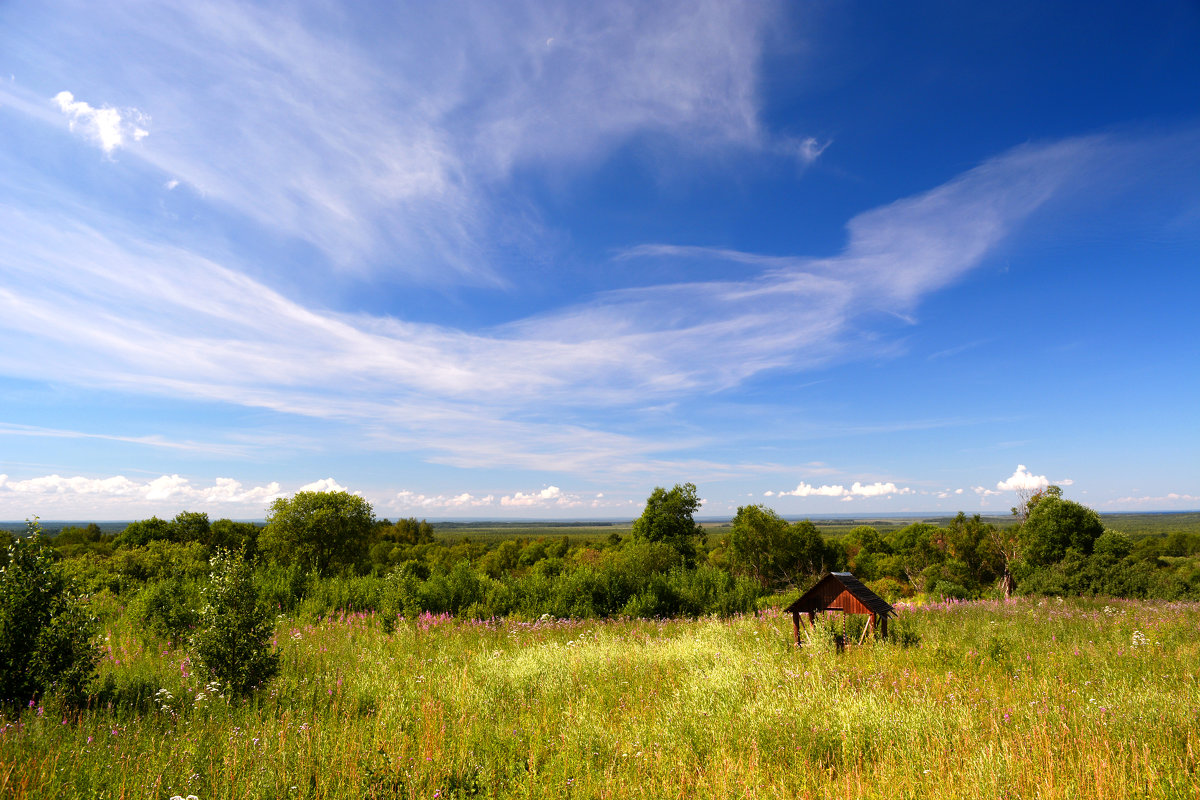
(1022, 480)
(857, 489)
(117, 485)
(323, 485)
(34, 431)
(395, 159)
(1170, 499)
(805, 490)
(877, 489)
(83, 496)
(488, 397)
(806, 150)
(106, 126)
(1065, 482)
(983, 491)
(547, 497)
(406, 499)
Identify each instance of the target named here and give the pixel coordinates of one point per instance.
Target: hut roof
(841, 591)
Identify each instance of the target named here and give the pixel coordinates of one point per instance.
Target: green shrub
(949, 590)
(45, 631)
(232, 643)
(168, 607)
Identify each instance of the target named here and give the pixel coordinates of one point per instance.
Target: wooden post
(867, 628)
(796, 626)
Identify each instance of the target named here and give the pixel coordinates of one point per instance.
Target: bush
(233, 641)
(45, 631)
(168, 607)
(949, 590)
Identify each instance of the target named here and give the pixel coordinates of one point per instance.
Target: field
(1070, 699)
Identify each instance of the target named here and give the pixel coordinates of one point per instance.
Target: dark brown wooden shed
(841, 591)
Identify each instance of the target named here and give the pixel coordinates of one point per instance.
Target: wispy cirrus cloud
(93, 300)
(10, 429)
(397, 160)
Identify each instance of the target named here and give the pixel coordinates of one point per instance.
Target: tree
(326, 531)
(865, 548)
(45, 631)
(667, 518)
(1054, 525)
(191, 526)
(815, 556)
(144, 531)
(407, 531)
(232, 535)
(917, 547)
(763, 545)
(970, 540)
(232, 642)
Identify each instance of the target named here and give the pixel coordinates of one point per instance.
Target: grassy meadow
(1028, 698)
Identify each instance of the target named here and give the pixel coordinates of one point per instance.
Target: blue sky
(533, 259)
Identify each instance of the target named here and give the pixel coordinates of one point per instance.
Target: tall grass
(1077, 699)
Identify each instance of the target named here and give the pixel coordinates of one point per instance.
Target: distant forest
(317, 553)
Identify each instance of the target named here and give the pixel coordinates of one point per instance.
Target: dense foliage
(233, 642)
(325, 531)
(45, 630)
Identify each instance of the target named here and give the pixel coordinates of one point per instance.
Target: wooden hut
(841, 591)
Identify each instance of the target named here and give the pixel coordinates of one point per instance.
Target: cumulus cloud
(405, 499)
(1022, 480)
(857, 489)
(878, 489)
(806, 490)
(65, 494)
(983, 491)
(547, 497)
(106, 126)
(324, 485)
